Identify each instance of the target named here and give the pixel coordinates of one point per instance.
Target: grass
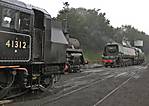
(147, 58)
(92, 56)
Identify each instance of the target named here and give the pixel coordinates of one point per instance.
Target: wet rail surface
(89, 88)
(88, 94)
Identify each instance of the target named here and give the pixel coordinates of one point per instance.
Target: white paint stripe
(109, 94)
(105, 73)
(92, 71)
(78, 78)
(5, 101)
(109, 76)
(124, 73)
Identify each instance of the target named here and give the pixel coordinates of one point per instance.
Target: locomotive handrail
(9, 66)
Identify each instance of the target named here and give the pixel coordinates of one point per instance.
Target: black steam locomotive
(74, 55)
(32, 48)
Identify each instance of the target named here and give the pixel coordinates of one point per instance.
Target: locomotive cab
(15, 34)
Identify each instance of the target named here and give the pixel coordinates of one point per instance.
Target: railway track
(130, 74)
(112, 92)
(73, 81)
(89, 82)
(15, 95)
(119, 86)
(67, 86)
(76, 90)
(10, 99)
(85, 79)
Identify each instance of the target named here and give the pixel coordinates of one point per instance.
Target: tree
(89, 26)
(93, 30)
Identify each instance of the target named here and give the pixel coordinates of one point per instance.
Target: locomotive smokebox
(74, 42)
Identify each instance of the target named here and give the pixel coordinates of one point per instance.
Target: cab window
(24, 22)
(15, 21)
(9, 18)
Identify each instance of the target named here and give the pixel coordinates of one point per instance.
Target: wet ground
(124, 86)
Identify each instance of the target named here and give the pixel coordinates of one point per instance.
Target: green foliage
(93, 30)
(90, 27)
(92, 57)
(132, 34)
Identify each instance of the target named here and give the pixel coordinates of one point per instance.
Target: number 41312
(16, 44)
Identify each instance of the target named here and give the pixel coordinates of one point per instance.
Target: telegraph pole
(66, 9)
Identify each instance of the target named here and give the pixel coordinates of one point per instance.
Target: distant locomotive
(116, 54)
(74, 54)
(33, 48)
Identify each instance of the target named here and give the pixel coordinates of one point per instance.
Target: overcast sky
(119, 12)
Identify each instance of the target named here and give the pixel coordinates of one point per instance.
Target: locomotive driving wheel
(48, 81)
(6, 82)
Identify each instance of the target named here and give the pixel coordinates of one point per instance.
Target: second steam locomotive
(116, 54)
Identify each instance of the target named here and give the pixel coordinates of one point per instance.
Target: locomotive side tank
(15, 32)
(33, 48)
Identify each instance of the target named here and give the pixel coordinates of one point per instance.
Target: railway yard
(42, 64)
(121, 86)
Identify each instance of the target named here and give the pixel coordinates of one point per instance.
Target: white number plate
(16, 44)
